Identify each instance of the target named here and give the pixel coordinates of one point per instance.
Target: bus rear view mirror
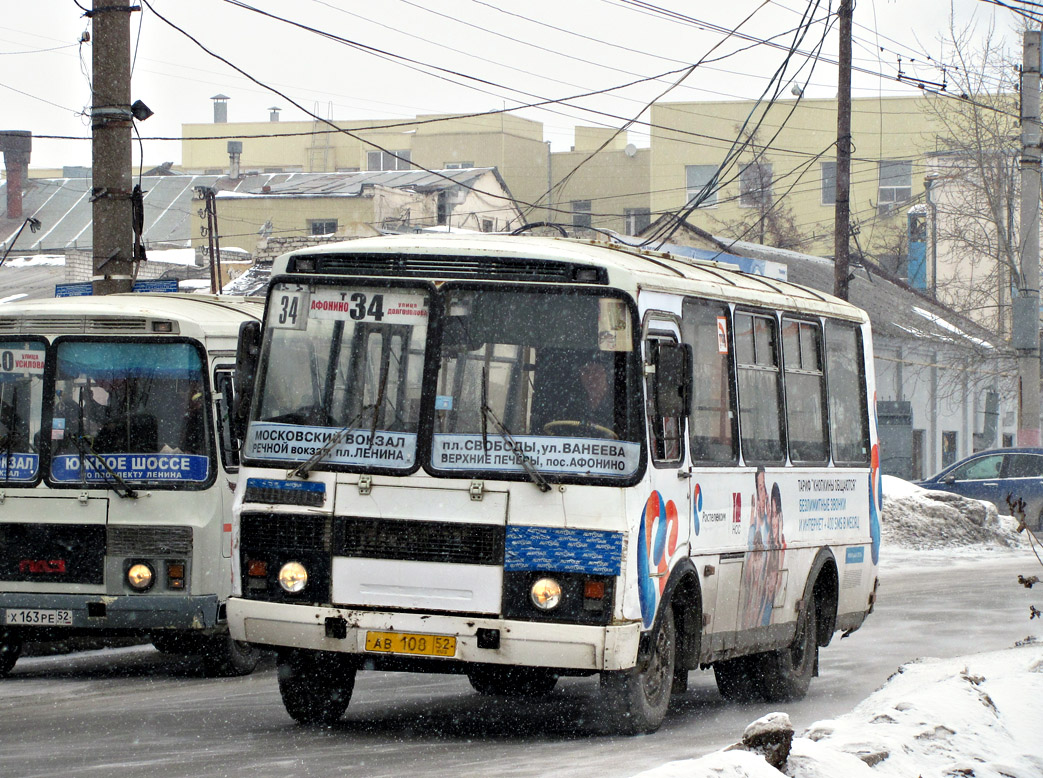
(246, 357)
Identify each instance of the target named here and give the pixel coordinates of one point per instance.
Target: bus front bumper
(57, 613)
(477, 639)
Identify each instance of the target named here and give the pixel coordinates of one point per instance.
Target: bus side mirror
(246, 357)
(673, 384)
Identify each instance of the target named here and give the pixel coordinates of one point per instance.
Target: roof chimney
(220, 108)
(273, 114)
(235, 150)
(16, 146)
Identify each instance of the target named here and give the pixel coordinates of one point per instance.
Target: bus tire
(10, 650)
(786, 673)
(738, 679)
(224, 657)
(315, 687)
(506, 681)
(637, 699)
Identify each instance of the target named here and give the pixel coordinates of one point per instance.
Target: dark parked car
(992, 475)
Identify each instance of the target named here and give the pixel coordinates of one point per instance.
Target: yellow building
(609, 191)
(790, 160)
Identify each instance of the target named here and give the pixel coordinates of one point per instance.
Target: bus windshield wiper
(526, 463)
(113, 480)
(302, 470)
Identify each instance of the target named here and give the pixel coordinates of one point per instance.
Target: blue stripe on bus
(563, 550)
(269, 483)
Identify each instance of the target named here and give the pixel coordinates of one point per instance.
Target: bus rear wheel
(786, 673)
(10, 650)
(498, 680)
(315, 686)
(637, 699)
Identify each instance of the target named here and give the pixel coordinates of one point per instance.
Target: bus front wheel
(10, 650)
(637, 699)
(316, 687)
(223, 657)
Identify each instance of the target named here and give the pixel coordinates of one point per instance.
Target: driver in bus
(596, 379)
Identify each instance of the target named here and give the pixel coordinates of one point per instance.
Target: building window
(701, 183)
(458, 165)
(949, 441)
(383, 160)
(755, 185)
(829, 183)
(896, 183)
(581, 213)
(322, 226)
(636, 220)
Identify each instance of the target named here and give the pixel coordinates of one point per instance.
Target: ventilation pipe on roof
(220, 108)
(235, 150)
(16, 146)
(273, 114)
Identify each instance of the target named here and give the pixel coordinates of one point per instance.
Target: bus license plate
(32, 617)
(407, 643)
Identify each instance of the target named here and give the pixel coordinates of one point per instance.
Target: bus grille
(447, 266)
(150, 541)
(263, 531)
(419, 541)
(52, 553)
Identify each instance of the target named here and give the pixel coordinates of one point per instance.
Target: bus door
(666, 520)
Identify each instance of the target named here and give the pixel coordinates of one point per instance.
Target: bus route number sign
(288, 309)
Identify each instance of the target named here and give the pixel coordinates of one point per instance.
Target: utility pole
(111, 128)
(1025, 330)
(842, 206)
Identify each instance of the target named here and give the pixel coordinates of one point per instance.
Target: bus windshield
(21, 398)
(132, 410)
(346, 383)
(536, 379)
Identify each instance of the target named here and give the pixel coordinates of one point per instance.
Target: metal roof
(63, 205)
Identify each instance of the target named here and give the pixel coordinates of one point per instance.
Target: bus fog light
(140, 576)
(293, 577)
(545, 594)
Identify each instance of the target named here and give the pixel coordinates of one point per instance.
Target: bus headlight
(140, 576)
(545, 594)
(293, 577)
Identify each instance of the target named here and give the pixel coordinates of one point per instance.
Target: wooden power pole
(111, 133)
(842, 208)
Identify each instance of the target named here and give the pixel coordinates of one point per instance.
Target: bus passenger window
(757, 370)
(664, 432)
(711, 425)
(847, 393)
(805, 391)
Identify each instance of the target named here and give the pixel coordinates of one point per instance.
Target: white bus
(522, 458)
(117, 466)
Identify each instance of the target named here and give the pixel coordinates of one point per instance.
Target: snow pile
(970, 716)
(919, 519)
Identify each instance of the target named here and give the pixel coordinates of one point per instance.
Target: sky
(454, 56)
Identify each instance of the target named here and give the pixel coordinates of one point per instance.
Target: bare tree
(975, 179)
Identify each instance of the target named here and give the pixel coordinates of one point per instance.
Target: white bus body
(520, 458)
(117, 466)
